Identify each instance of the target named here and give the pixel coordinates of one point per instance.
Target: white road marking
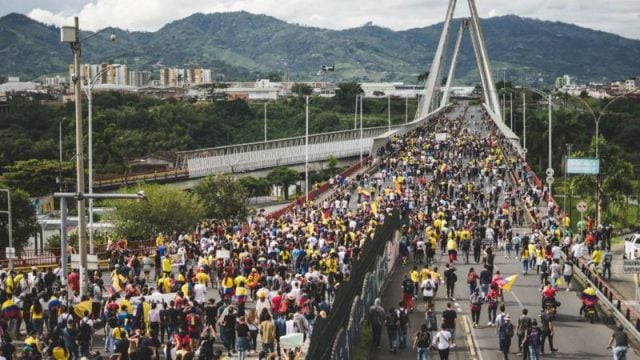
(516, 297)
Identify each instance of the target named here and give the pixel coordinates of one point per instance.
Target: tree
(37, 177)
(423, 77)
(165, 209)
(301, 89)
(255, 186)
(223, 197)
(23, 218)
(284, 177)
(346, 94)
(332, 163)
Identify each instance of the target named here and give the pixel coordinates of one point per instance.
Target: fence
(353, 299)
(51, 257)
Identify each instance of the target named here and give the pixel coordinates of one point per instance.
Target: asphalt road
(574, 336)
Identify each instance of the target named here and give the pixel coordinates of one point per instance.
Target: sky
(616, 16)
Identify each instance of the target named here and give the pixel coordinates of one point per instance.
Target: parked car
(632, 246)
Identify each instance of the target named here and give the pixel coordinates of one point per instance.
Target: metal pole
(550, 137)
(406, 109)
(60, 155)
(511, 110)
(389, 112)
(361, 131)
(82, 226)
(306, 151)
(504, 106)
(90, 130)
(64, 256)
(355, 119)
(265, 122)
(524, 123)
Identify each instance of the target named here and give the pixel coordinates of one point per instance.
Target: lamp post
(71, 35)
(80, 196)
(265, 122)
(549, 170)
(306, 150)
(596, 120)
(511, 111)
(88, 91)
(524, 125)
(389, 112)
(10, 227)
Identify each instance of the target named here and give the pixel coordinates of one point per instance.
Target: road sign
(550, 180)
(10, 252)
(582, 206)
(549, 172)
(92, 261)
(631, 266)
(583, 166)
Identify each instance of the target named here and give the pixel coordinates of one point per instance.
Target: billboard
(583, 166)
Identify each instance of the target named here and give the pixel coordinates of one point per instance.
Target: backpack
(424, 339)
(508, 330)
(452, 277)
(544, 267)
(404, 317)
(431, 322)
(85, 330)
(428, 287)
(534, 337)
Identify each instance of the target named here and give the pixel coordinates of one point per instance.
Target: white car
(632, 246)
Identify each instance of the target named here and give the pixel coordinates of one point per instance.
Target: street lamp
(596, 120)
(549, 170)
(11, 253)
(88, 91)
(71, 35)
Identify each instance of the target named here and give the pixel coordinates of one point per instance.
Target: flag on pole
(82, 307)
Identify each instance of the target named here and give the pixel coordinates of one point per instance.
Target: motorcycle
(591, 313)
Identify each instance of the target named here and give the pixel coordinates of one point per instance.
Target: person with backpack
(524, 323)
(450, 278)
(505, 333)
(476, 301)
(532, 339)
(391, 321)
(472, 280)
(407, 292)
(430, 319)
(403, 325)
(85, 331)
(492, 299)
(546, 318)
(421, 342)
(607, 260)
(428, 290)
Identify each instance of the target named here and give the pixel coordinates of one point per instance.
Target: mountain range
(244, 46)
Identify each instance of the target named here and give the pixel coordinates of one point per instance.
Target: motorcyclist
(588, 298)
(549, 296)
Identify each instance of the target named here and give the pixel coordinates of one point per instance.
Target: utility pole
(566, 162)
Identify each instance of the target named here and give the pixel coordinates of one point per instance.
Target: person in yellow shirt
(414, 275)
(596, 256)
(125, 304)
(37, 316)
(164, 284)
(159, 240)
(166, 265)
(452, 248)
(423, 273)
(33, 343)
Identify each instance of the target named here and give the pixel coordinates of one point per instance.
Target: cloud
(150, 15)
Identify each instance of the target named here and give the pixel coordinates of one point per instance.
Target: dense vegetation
(244, 46)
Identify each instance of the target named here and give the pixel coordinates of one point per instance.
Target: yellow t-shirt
(166, 265)
(34, 315)
(59, 353)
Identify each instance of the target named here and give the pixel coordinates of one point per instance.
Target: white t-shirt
(200, 293)
(442, 340)
(426, 292)
(556, 252)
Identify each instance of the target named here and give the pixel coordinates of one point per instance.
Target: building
(163, 92)
(139, 78)
(114, 74)
(55, 81)
(565, 83)
(185, 77)
(630, 85)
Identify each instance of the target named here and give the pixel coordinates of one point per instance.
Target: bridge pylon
(430, 100)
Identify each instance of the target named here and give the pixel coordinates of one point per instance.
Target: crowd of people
(275, 277)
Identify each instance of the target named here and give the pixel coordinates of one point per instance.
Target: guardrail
(144, 177)
(609, 298)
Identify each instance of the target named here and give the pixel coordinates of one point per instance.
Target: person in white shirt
(428, 289)
(200, 293)
(442, 341)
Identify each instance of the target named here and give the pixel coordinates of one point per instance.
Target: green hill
(244, 46)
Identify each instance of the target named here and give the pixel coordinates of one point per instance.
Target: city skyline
(150, 15)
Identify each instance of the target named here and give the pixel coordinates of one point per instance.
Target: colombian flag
(326, 214)
(588, 296)
(10, 310)
(507, 283)
(365, 195)
(54, 305)
(82, 307)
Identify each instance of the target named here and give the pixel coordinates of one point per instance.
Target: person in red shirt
(275, 303)
(74, 280)
(549, 295)
(493, 298)
(193, 323)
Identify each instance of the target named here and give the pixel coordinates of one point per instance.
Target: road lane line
(517, 299)
(473, 342)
